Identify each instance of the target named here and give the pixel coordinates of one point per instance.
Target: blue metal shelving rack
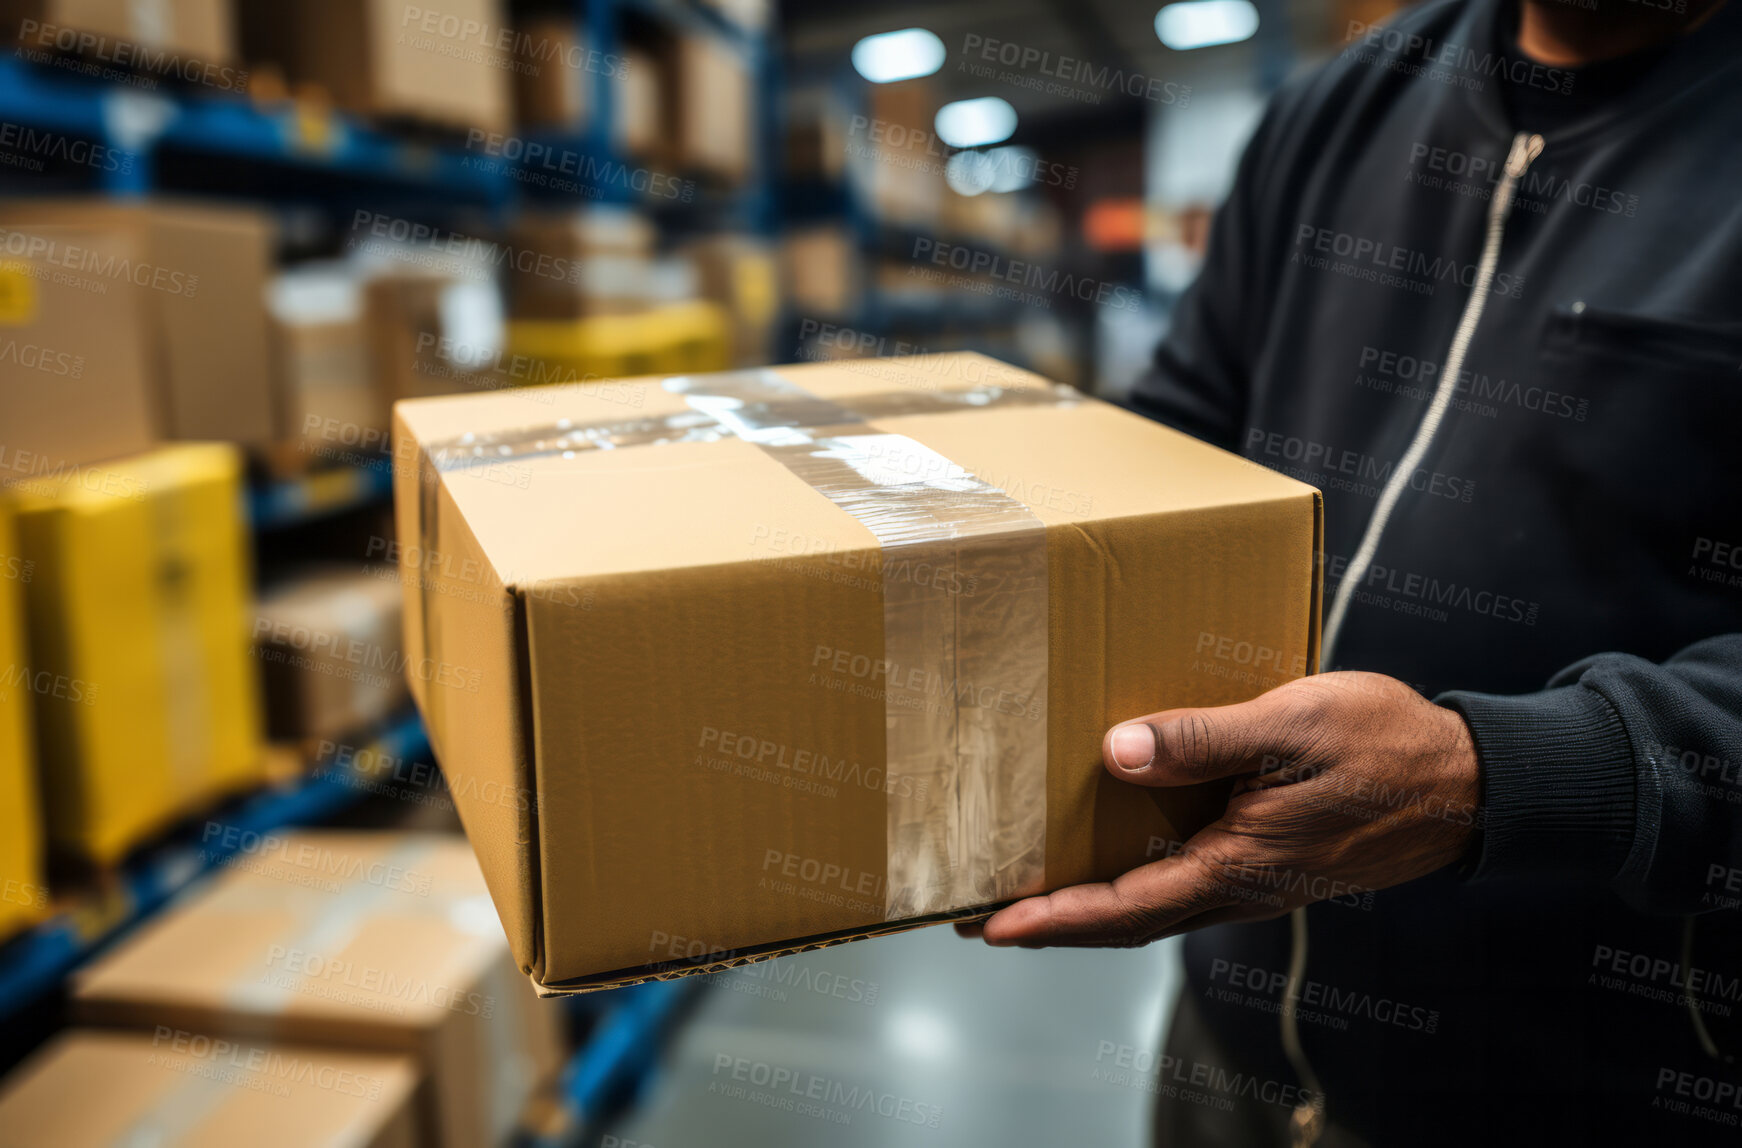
(203, 142)
(33, 963)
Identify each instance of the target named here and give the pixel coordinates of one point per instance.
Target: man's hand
(1347, 783)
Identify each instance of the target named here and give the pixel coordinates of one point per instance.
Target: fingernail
(1133, 745)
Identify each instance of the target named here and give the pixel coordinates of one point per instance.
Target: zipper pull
(1525, 149)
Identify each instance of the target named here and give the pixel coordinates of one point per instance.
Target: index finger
(1135, 907)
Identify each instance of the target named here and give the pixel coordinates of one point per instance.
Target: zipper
(1525, 148)
(1308, 1121)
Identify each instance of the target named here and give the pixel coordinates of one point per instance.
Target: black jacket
(1567, 561)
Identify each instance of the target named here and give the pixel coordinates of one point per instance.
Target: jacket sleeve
(1199, 378)
(1620, 770)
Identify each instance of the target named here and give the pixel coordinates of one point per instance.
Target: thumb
(1190, 746)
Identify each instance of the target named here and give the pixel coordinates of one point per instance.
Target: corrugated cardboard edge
(756, 954)
(496, 801)
(1316, 613)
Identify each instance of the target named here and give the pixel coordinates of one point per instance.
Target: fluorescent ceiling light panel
(974, 123)
(904, 55)
(1206, 23)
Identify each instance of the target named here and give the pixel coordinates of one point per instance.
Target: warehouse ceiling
(1105, 33)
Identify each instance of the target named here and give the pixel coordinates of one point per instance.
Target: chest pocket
(1654, 453)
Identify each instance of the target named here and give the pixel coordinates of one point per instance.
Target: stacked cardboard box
(741, 274)
(895, 157)
(321, 344)
(822, 271)
(200, 30)
(576, 264)
(808, 624)
(554, 71)
(176, 1088)
(138, 602)
(639, 92)
(329, 642)
(439, 61)
(187, 288)
(81, 387)
(376, 942)
(712, 102)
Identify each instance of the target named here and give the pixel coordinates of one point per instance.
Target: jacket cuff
(1558, 783)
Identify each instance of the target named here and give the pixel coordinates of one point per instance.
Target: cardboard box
(200, 29)
(822, 271)
(81, 387)
(444, 62)
(23, 894)
(815, 136)
(329, 643)
(138, 606)
(895, 160)
(742, 275)
(321, 347)
(639, 92)
(383, 942)
(175, 1089)
(201, 275)
(554, 71)
(408, 315)
(577, 264)
(714, 103)
(740, 724)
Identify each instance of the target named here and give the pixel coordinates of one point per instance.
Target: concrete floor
(918, 1039)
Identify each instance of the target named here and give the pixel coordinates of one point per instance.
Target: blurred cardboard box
(577, 264)
(179, 1089)
(78, 385)
(640, 95)
(201, 29)
(427, 333)
(200, 274)
(148, 707)
(438, 61)
(822, 270)
(383, 942)
(863, 686)
(23, 894)
(815, 136)
(741, 274)
(895, 157)
(714, 103)
(322, 346)
(329, 643)
(554, 71)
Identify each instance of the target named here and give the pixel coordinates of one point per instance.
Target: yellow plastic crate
(683, 338)
(23, 897)
(138, 608)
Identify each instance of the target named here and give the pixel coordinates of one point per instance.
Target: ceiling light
(973, 123)
(1206, 23)
(904, 55)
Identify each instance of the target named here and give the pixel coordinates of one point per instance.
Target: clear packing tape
(964, 665)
